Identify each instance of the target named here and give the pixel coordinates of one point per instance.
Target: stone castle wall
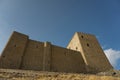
(67, 60)
(13, 52)
(33, 56)
(24, 53)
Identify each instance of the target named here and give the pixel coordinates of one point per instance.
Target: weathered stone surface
(8, 74)
(82, 55)
(91, 51)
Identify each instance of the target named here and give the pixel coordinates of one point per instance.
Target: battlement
(82, 55)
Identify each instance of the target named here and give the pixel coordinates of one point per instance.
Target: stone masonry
(82, 55)
(91, 51)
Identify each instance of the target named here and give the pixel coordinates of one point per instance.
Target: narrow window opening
(82, 36)
(88, 45)
(76, 48)
(15, 45)
(3, 56)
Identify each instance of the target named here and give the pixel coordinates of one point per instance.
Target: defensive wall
(24, 53)
(82, 55)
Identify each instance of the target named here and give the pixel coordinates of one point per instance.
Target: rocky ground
(9, 74)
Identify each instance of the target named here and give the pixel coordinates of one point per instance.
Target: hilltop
(12, 74)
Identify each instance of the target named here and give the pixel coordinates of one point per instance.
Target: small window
(82, 36)
(88, 45)
(76, 48)
(15, 45)
(3, 56)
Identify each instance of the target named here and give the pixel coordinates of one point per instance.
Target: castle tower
(91, 52)
(13, 52)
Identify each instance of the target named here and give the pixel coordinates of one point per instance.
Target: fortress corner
(91, 51)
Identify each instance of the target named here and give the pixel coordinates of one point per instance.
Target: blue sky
(57, 20)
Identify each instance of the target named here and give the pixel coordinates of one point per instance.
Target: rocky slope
(9, 74)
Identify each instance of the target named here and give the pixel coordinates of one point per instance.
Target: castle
(82, 55)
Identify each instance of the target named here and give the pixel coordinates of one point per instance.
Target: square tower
(91, 51)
